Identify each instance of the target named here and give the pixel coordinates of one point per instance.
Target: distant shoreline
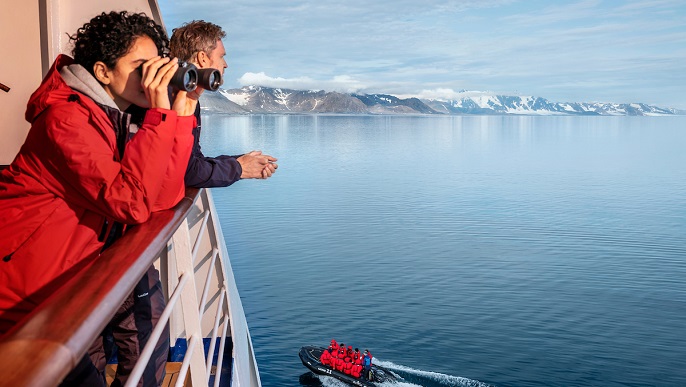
(263, 100)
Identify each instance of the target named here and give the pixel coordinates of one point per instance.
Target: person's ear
(102, 73)
(203, 59)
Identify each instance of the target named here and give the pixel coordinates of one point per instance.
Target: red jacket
(340, 364)
(326, 357)
(68, 184)
(356, 370)
(348, 366)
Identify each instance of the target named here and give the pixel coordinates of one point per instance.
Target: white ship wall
(33, 33)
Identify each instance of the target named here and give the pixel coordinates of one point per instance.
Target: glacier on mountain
(257, 99)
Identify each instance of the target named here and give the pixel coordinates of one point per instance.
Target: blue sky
(571, 51)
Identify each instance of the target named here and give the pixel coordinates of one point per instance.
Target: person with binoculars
(85, 173)
(200, 43)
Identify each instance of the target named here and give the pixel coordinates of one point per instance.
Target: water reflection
(534, 250)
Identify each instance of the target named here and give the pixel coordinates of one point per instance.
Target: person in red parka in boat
(326, 357)
(334, 358)
(357, 364)
(340, 365)
(348, 364)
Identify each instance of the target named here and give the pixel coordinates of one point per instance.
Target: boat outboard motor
(209, 79)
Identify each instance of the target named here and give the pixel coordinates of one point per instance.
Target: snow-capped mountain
(528, 105)
(258, 99)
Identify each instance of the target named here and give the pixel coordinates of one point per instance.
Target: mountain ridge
(265, 100)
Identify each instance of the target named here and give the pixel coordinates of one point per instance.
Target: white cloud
(342, 83)
(440, 94)
(447, 94)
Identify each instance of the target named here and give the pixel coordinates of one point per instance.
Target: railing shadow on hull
(51, 341)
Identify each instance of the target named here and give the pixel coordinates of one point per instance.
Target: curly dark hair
(194, 37)
(109, 36)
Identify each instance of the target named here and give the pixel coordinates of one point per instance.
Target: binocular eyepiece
(188, 77)
(209, 79)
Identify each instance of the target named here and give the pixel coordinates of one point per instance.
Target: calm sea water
(503, 251)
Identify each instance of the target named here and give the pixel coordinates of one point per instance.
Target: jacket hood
(63, 78)
(76, 77)
(61, 84)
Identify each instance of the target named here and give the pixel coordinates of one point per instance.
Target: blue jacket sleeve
(208, 172)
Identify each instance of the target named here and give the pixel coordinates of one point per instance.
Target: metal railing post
(181, 380)
(181, 251)
(220, 358)
(144, 357)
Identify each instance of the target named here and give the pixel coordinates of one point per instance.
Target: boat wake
(411, 378)
(414, 377)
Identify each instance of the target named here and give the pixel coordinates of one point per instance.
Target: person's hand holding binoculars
(186, 81)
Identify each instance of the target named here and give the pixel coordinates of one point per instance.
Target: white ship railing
(187, 245)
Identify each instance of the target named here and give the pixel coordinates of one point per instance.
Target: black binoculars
(188, 77)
